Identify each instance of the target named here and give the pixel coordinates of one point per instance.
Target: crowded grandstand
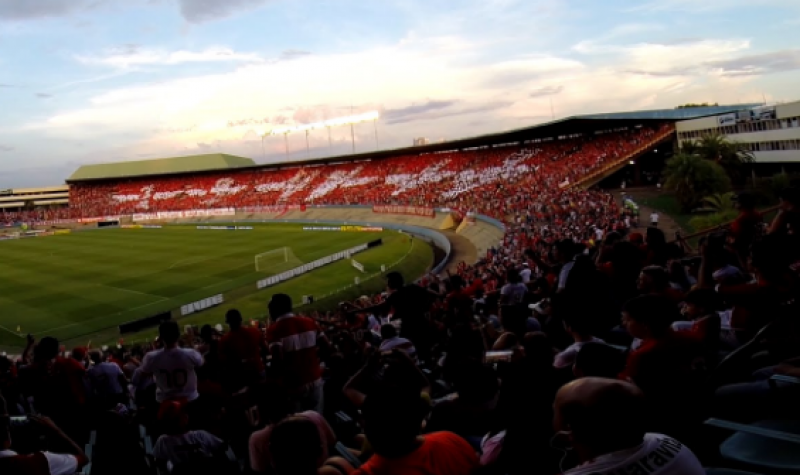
(581, 342)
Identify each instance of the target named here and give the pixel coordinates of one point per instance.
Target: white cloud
(416, 73)
(132, 56)
(694, 6)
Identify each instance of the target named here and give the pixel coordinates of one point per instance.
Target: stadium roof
(556, 128)
(164, 166)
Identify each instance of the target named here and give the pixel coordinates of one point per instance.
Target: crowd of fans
(460, 180)
(575, 346)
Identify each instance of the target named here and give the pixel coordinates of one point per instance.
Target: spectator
(787, 221)
(392, 421)
(664, 355)
(747, 225)
(293, 343)
(38, 463)
(579, 328)
(299, 450)
(525, 273)
(513, 293)
(565, 255)
(654, 219)
(654, 280)
(173, 368)
(705, 323)
(106, 381)
(586, 412)
(277, 406)
(240, 352)
(390, 341)
(178, 445)
(57, 385)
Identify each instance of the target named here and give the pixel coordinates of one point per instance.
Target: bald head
(603, 415)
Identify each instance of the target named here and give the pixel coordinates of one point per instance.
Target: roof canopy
(576, 124)
(164, 166)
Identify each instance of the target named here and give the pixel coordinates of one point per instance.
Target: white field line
(128, 290)
(12, 332)
(191, 260)
(108, 315)
(177, 297)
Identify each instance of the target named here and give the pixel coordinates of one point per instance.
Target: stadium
(171, 232)
(123, 250)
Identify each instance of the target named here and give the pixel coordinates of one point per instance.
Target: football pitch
(79, 287)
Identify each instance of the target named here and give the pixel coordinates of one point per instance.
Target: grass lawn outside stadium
(79, 287)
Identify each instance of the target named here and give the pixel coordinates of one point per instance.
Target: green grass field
(79, 287)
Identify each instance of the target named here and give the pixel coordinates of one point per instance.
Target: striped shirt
(298, 338)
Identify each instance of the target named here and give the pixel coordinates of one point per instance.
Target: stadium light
(350, 120)
(339, 121)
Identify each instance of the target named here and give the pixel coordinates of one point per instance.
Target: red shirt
(441, 453)
(661, 358)
(298, 337)
(242, 345)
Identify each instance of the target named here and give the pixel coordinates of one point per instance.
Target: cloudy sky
(90, 81)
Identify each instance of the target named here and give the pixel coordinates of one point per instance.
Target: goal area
(276, 260)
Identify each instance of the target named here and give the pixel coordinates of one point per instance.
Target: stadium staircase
(481, 234)
(612, 167)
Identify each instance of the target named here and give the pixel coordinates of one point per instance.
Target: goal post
(274, 260)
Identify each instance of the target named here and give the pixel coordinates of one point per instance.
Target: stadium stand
(516, 364)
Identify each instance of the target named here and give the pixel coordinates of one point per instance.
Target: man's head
(296, 447)
(169, 332)
(392, 420)
(701, 302)
(234, 319)
(653, 279)
(96, 356)
(46, 350)
(600, 415)
(564, 250)
(648, 316)
(394, 281)
(279, 305)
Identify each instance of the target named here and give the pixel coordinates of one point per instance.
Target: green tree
(731, 156)
(720, 201)
(713, 220)
(692, 178)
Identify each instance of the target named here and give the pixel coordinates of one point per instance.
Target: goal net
(276, 260)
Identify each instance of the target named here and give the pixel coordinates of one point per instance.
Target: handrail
(642, 149)
(723, 225)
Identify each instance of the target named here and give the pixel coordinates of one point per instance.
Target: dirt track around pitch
(462, 250)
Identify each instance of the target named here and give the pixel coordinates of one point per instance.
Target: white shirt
(400, 343)
(564, 274)
(173, 370)
(514, 293)
(567, 357)
(183, 448)
(104, 379)
(654, 218)
(657, 455)
(525, 273)
(598, 234)
(60, 464)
